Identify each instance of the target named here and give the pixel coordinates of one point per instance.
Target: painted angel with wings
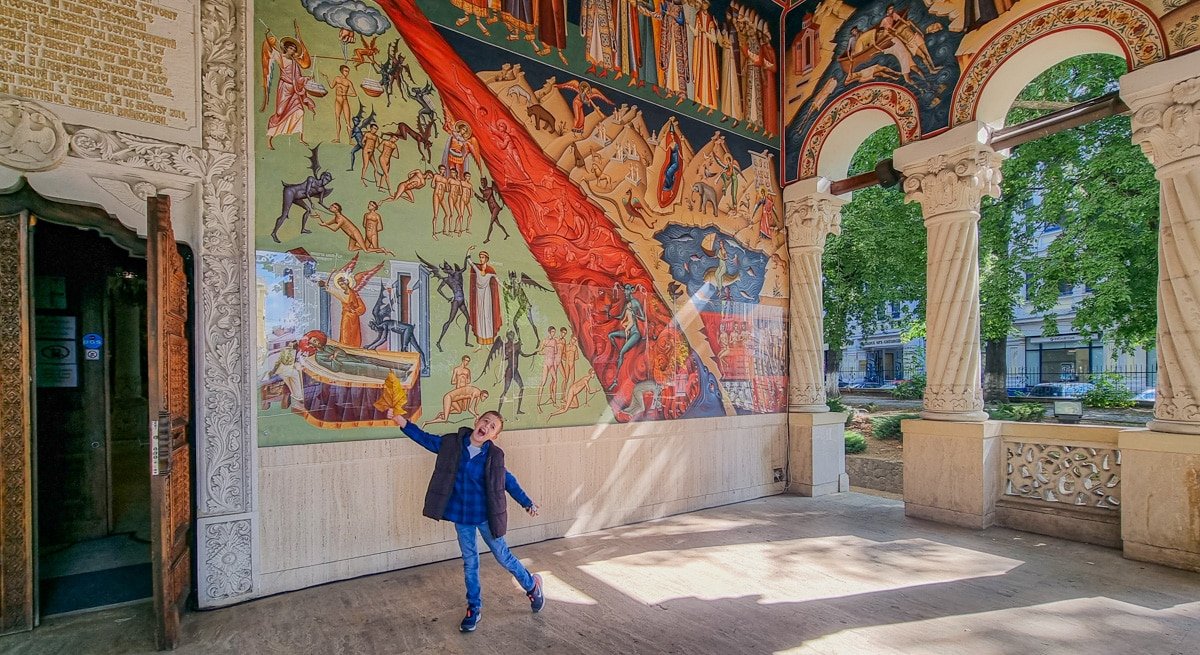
(585, 101)
(291, 57)
(345, 285)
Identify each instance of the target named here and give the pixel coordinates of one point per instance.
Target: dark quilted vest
(441, 484)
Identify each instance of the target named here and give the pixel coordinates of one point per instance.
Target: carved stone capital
(1167, 126)
(811, 218)
(32, 137)
(955, 181)
(1165, 99)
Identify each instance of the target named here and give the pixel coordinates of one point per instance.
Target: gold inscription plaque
(131, 59)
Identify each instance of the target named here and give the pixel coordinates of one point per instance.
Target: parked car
(1061, 389)
(1147, 394)
(864, 384)
(886, 385)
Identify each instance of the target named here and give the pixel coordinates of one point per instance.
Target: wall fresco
(937, 55)
(450, 219)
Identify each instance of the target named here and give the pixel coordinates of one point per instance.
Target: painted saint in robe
(754, 80)
(485, 300)
(648, 28)
(704, 60)
(731, 85)
(628, 39)
(518, 18)
(552, 26)
(770, 66)
(673, 49)
(596, 28)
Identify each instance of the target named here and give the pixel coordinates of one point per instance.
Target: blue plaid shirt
(468, 501)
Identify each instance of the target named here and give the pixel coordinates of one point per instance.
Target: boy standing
(468, 485)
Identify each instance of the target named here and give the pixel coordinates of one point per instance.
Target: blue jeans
(470, 555)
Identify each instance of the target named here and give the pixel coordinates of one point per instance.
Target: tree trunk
(833, 365)
(995, 371)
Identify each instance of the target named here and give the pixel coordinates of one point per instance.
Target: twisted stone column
(1166, 124)
(811, 213)
(949, 175)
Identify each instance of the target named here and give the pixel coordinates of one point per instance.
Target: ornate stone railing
(1056, 473)
(1061, 480)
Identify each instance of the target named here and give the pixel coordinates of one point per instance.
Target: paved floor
(841, 574)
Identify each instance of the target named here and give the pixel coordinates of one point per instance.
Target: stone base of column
(958, 417)
(1160, 498)
(817, 453)
(1174, 427)
(952, 471)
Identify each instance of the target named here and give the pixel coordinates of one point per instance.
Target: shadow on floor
(839, 574)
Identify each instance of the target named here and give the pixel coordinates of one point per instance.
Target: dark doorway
(91, 440)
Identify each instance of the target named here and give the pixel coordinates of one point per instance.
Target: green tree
(1091, 182)
(1099, 188)
(878, 259)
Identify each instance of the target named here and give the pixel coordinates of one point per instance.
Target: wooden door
(16, 500)
(170, 407)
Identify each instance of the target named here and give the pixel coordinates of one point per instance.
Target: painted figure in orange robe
(586, 97)
(353, 307)
(346, 288)
(770, 84)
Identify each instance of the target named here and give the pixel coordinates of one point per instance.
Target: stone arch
(843, 125)
(1006, 64)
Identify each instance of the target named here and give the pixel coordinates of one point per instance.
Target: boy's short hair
(498, 415)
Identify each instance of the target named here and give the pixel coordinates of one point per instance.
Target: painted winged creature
(314, 188)
(517, 301)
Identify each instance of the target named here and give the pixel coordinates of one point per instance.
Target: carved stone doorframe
(216, 172)
(20, 206)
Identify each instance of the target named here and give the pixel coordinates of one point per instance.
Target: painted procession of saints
(567, 211)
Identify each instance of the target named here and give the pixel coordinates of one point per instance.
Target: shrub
(855, 442)
(888, 427)
(836, 404)
(1026, 412)
(910, 389)
(1110, 392)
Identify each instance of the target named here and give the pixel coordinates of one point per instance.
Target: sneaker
(537, 599)
(471, 619)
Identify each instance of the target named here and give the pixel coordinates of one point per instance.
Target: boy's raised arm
(430, 442)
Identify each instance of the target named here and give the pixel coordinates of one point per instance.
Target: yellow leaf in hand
(393, 396)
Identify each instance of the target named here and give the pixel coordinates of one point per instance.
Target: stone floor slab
(847, 573)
